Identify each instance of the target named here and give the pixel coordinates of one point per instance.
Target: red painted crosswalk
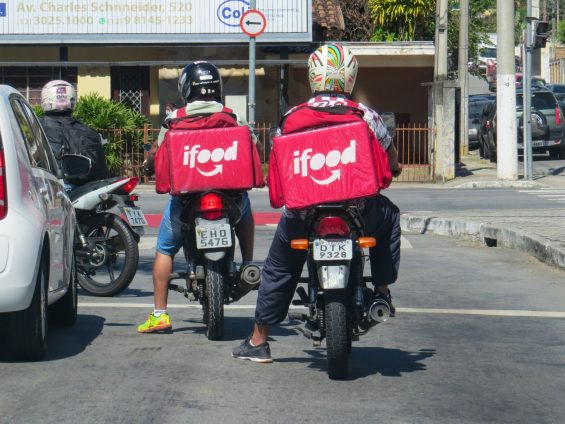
(261, 218)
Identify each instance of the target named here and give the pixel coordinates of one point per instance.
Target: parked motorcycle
(340, 305)
(109, 226)
(212, 277)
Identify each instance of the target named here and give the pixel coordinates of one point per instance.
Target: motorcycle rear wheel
(119, 251)
(337, 338)
(213, 302)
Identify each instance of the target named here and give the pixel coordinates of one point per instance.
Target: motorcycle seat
(81, 190)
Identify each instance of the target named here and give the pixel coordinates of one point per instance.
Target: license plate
(537, 143)
(332, 250)
(213, 236)
(134, 216)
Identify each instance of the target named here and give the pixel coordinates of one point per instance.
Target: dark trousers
(283, 265)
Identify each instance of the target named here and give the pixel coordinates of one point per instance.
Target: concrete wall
(94, 80)
(397, 90)
(386, 83)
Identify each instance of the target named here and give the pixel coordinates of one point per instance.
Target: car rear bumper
(543, 144)
(19, 250)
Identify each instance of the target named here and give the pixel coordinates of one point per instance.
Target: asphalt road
(478, 338)
(414, 198)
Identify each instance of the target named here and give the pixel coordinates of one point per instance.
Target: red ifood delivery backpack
(323, 156)
(207, 152)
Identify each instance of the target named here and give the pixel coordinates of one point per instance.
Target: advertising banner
(149, 21)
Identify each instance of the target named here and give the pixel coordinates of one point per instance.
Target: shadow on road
(368, 361)
(235, 328)
(67, 342)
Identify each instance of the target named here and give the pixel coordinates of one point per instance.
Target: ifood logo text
(230, 12)
(194, 156)
(305, 161)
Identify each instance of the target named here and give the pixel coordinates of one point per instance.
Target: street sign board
(149, 21)
(253, 23)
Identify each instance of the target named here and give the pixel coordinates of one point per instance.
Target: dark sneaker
(261, 353)
(388, 299)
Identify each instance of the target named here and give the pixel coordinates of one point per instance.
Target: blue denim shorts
(169, 238)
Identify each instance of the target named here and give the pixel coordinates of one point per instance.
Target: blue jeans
(170, 236)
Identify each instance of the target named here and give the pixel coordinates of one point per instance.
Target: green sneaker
(153, 323)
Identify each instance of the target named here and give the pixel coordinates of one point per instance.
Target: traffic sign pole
(252, 23)
(252, 103)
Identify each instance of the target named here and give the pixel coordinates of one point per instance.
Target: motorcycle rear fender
(334, 276)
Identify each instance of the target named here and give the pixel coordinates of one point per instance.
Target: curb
(490, 235)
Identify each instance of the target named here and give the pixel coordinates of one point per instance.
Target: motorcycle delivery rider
(68, 135)
(332, 70)
(200, 87)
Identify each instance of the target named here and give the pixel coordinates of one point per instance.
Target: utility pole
(526, 96)
(464, 76)
(443, 102)
(506, 136)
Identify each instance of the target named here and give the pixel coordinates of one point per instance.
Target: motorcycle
(106, 247)
(212, 277)
(340, 305)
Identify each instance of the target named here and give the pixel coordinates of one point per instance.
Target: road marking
(551, 194)
(480, 312)
(552, 190)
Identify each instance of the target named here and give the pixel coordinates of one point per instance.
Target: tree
(402, 20)
(560, 35)
(357, 19)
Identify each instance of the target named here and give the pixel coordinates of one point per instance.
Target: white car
(37, 222)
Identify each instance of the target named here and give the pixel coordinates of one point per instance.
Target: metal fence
(413, 142)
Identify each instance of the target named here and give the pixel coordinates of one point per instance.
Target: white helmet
(58, 96)
(332, 68)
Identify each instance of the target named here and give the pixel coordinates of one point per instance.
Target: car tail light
(3, 188)
(211, 206)
(557, 116)
(332, 225)
(487, 125)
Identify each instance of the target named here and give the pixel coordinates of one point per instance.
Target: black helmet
(200, 81)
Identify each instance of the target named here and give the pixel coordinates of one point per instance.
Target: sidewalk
(538, 233)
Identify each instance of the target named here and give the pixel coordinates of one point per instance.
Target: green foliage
(382, 35)
(560, 34)
(405, 20)
(116, 122)
(120, 125)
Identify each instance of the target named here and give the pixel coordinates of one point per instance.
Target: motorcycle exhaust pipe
(378, 312)
(250, 277)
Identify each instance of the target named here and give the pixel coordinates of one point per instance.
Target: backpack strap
(227, 117)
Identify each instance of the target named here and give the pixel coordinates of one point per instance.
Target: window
(540, 100)
(30, 80)
(34, 145)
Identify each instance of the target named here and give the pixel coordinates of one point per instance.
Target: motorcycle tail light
(365, 242)
(133, 197)
(332, 225)
(211, 206)
(130, 185)
(299, 244)
(557, 116)
(3, 188)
